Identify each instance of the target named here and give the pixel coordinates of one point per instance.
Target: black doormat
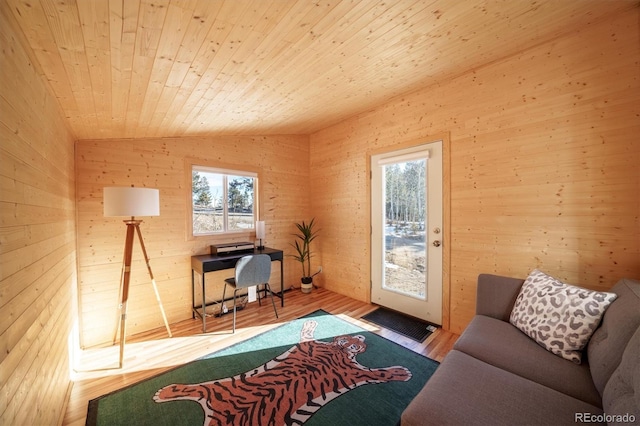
(413, 328)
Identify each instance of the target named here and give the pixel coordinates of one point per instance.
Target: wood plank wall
(283, 167)
(544, 166)
(37, 239)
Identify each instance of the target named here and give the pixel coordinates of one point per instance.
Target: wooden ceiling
(158, 68)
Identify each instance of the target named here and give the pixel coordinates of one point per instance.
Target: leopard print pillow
(558, 316)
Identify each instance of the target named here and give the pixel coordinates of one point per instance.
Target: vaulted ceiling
(157, 68)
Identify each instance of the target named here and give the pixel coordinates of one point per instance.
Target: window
(223, 200)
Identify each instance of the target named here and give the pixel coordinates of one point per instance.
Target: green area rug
(316, 370)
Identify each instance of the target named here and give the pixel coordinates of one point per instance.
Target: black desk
(208, 263)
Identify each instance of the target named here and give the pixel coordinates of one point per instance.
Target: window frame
(195, 165)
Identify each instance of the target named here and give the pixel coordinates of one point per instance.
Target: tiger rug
(288, 389)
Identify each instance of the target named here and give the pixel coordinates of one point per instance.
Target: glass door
(406, 217)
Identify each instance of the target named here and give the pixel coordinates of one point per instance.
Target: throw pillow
(558, 316)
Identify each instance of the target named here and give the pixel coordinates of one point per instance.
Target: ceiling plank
(123, 22)
(151, 18)
(66, 31)
(94, 18)
(173, 30)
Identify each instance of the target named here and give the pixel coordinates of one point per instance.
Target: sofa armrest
(496, 295)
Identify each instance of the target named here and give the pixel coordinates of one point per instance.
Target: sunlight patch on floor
(143, 356)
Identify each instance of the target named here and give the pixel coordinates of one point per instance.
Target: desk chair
(250, 270)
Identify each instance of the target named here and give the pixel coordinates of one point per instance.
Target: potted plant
(306, 234)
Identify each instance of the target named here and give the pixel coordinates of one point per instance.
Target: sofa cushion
(559, 316)
(622, 393)
(467, 391)
(618, 325)
(502, 345)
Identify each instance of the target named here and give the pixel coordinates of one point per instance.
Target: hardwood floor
(153, 352)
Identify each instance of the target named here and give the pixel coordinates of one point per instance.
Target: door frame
(446, 214)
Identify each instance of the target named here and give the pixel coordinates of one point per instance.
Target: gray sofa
(497, 375)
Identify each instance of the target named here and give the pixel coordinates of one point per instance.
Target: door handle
(436, 243)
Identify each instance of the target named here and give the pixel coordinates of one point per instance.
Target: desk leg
(281, 284)
(193, 294)
(204, 307)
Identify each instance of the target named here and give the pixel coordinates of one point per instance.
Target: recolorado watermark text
(604, 418)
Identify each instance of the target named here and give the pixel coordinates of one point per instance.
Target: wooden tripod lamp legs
(133, 226)
(153, 280)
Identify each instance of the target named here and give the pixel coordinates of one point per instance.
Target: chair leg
(234, 309)
(268, 287)
(224, 290)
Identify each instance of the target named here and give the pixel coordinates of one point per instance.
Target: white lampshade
(130, 201)
(260, 230)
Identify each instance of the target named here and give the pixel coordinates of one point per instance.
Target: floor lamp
(130, 201)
